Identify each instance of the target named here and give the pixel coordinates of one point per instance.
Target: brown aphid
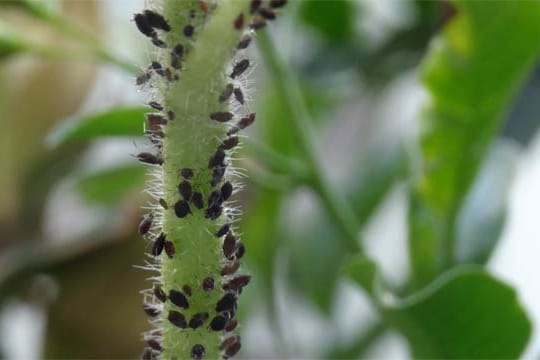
(149, 158)
(186, 173)
(246, 121)
(155, 120)
(186, 289)
(178, 299)
(213, 212)
(267, 14)
(203, 5)
(221, 116)
(163, 203)
(156, 20)
(178, 319)
(154, 344)
(230, 268)
(226, 303)
(233, 349)
(159, 293)
(277, 3)
(257, 24)
(150, 310)
(223, 230)
(143, 25)
(143, 78)
(218, 323)
(184, 188)
(231, 325)
(181, 208)
(254, 6)
(240, 250)
(145, 224)
(229, 143)
(170, 115)
(158, 245)
(155, 105)
(198, 320)
(237, 283)
(208, 284)
(188, 30)
(197, 200)
(217, 158)
(229, 245)
(226, 190)
(168, 74)
(228, 341)
(226, 93)
(169, 249)
(239, 95)
(197, 352)
(239, 22)
(158, 42)
(239, 68)
(244, 42)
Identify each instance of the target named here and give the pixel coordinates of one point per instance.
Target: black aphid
(170, 115)
(226, 303)
(159, 293)
(145, 224)
(237, 283)
(239, 95)
(246, 121)
(239, 22)
(187, 290)
(244, 42)
(257, 24)
(230, 268)
(143, 25)
(226, 190)
(186, 173)
(221, 116)
(229, 143)
(163, 203)
(239, 68)
(217, 175)
(267, 14)
(143, 78)
(160, 72)
(217, 158)
(214, 199)
(223, 230)
(198, 320)
(208, 284)
(226, 93)
(213, 213)
(181, 208)
(154, 344)
(229, 245)
(188, 30)
(184, 188)
(218, 323)
(175, 61)
(240, 250)
(158, 245)
(254, 6)
(150, 310)
(155, 105)
(147, 354)
(158, 42)
(231, 325)
(155, 65)
(277, 3)
(197, 352)
(197, 199)
(169, 249)
(178, 319)
(149, 158)
(178, 299)
(156, 20)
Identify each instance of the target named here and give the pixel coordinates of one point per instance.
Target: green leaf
(464, 314)
(363, 271)
(112, 185)
(472, 73)
(126, 121)
(334, 20)
(10, 42)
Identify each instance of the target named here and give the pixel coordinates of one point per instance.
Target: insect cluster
(182, 307)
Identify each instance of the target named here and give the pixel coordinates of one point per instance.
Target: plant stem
(291, 97)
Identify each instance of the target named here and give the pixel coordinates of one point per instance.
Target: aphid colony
(190, 198)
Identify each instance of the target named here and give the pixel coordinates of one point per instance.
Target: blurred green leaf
(334, 20)
(10, 42)
(472, 73)
(464, 314)
(127, 121)
(363, 271)
(112, 185)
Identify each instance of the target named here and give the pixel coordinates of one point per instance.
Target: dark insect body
(158, 245)
(155, 105)
(187, 290)
(218, 323)
(143, 78)
(182, 209)
(233, 349)
(229, 244)
(150, 310)
(239, 68)
(213, 213)
(148, 354)
(155, 120)
(239, 22)
(217, 175)
(240, 250)
(254, 6)
(223, 230)
(244, 42)
(197, 200)
(156, 20)
(230, 268)
(149, 158)
(226, 190)
(186, 173)
(198, 320)
(163, 203)
(170, 115)
(246, 121)
(177, 319)
(229, 341)
(169, 249)
(214, 199)
(237, 283)
(221, 116)
(155, 65)
(208, 284)
(231, 325)
(229, 143)
(154, 344)
(158, 42)
(184, 188)
(257, 24)
(159, 293)
(144, 26)
(145, 224)
(178, 299)
(239, 95)
(188, 30)
(277, 3)
(226, 303)
(197, 352)
(267, 14)
(226, 93)
(217, 158)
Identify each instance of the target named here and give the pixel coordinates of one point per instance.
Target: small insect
(197, 352)
(184, 188)
(229, 244)
(230, 268)
(239, 22)
(218, 323)
(231, 325)
(277, 3)
(156, 20)
(143, 78)
(215, 199)
(233, 349)
(221, 116)
(237, 283)
(203, 5)
(226, 303)
(148, 158)
(226, 190)
(239, 68)
(178, 319)
(267, 14)
(197, 200)
(175, 61)
(169, 249)
(160, 72)
(246, 121)
(226, 93)
(163, 203)
(198, 320)
(228, 341)
(229, 143)
(257, 24)
(217, 175)
(186, 173)
(158, 42)
(143, 25)
(145, 224)
(170, 115)
(254, 6)
(159, 244)
(188, 30)
(155, 120)
(150, 310)
(159, 293)
(240, 250)
(244, 42)
(213, 213)
(155, 65)
(181, 208)
(148, 354)
(187, 290)
(239, 95)
(223, 230)
(155, 105)
(208, 284)
(178, 299)
(217, 158)
(154, 344)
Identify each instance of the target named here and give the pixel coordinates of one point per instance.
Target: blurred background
(71, 191)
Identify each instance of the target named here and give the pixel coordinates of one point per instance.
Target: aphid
(229, 143)
(277, 3)
(143, 25)
(239, 22)
(155, 105)
(237, 283)
(203, 5)
(208, 284)
(218, 323)
(163, 203)
(155, 120)
(231, 325)
(175, 61)
(233, 349)
(187, 290)
(257, 24)
(198, 320)
(239, 95)
(240, 250)
(184, 188)
(217, 158)
(159, 244)
(223, 230)
(178, 319)
(150, 310)
(226, 93)
(155, 65)
(229, 245)
(186, 173)
(230, 268)
(147, 354)
(255, 5)
(158, 42)
(154, 344)
(178, 50)
(227, 302)
(246, 121)
(148, 158)
(215, 199)
(181, 208)
(267, 14)
(170, 115)
(188, 30)
(143, 78)
(197, 352)
(217, 175)
(160, 72)
(178, 299)
(221, 116)
(244, 42)
(197, 199)
(213, 213)
(228, 341)
(156, 20)
(169, 249)
(239, 68)
(145, 224)
(226, 190)
(159, 293)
